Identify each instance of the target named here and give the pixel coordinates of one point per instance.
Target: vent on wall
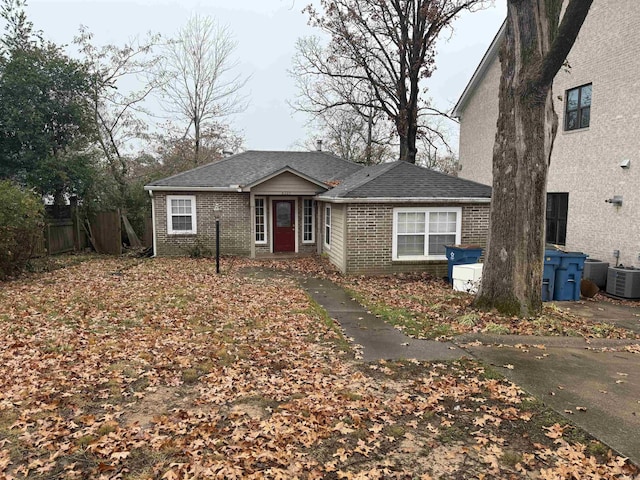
(623, 282)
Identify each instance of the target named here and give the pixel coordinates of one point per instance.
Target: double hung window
(181, 214)
(422, 233)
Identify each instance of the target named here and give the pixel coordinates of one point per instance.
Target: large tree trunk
(408, 148)
(407, 127)
(527, 124)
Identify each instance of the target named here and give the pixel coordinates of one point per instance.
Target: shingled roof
(250, 167)
(402, 180)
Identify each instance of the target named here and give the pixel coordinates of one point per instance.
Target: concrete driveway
(600, 377)
(625, 316)
(568, 373)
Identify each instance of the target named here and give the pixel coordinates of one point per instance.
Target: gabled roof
(287, 169)
(246, 169)
(402, 181)
(478, 75)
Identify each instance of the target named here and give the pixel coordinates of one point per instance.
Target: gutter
(439, 200)
(167, 188)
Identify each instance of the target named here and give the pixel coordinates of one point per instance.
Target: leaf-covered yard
(426, 307)
(128, 368)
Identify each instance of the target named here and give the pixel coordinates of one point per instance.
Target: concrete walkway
(567, 373)
(378, 339)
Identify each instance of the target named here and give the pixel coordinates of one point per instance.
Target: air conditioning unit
(623, 282)
(596, 271)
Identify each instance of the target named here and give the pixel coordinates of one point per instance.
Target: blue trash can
(461, 255)
(551, 263)
(568, 276)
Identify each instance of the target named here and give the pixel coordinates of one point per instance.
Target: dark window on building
(577, 112)
(557, 206)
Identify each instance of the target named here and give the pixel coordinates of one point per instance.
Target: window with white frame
(327, 225)
(261, 221)
(181, 214)
(307, 221)
(422, 233)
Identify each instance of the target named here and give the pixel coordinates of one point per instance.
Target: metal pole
(217, 245)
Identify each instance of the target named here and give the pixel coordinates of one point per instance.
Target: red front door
(284, 226)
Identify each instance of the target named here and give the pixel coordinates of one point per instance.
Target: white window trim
(313, 221)
(327, 226)
(194, 220)
(426, 211)
(265, 208)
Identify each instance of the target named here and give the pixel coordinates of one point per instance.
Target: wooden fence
(58, 237)
(62, 235)
(106, 230)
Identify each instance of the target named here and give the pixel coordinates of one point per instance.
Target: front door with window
(284, 226)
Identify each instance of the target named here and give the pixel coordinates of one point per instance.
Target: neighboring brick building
(386, 218)
(596, 155)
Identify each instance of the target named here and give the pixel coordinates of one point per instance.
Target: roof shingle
(405, 180)
(248, 167)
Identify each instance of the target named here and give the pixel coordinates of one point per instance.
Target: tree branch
(572, 20)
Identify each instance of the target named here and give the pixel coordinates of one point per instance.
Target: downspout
(153, 221)
(252, 229)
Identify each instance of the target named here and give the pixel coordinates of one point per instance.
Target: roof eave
(481, 69)
(171, 188)
(443, 200)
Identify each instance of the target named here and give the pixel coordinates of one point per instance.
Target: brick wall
(586, 162)
(478, 128)
(370, 232)
(235, 224)
(475, 224)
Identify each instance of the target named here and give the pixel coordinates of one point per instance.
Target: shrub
(199, 249)
(21, 224)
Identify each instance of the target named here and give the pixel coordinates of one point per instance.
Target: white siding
(336, 251)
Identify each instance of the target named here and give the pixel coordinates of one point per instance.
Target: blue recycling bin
(568, 276)
(551, 264)
(461, 255)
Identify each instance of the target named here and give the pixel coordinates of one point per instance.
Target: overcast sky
(266, 32)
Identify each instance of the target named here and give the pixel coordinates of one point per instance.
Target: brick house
(385, 218)
(596, 156)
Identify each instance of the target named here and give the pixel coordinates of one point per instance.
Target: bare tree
(379, 51)
(201, 86)
(173, 153)
(535, 48)
(344, 111)
(119, 115)
(352, 137)
(441, 159)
